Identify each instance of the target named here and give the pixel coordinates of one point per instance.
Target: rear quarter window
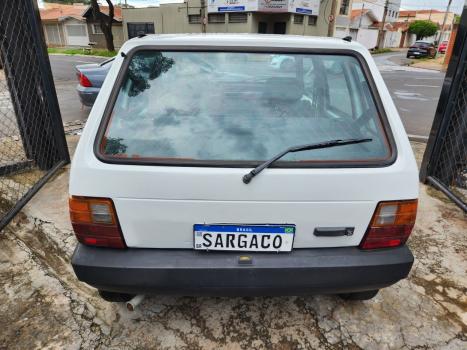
(241, 108)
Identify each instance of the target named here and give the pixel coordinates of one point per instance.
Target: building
(300, 17)
(96, 36)
(366, 22)
(64, 25)
(364, 27)
(74, 26)
(407, 17)
(377, 8)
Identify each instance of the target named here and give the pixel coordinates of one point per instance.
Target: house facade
(64, 25)
(366, 22)
(74, 26)
(437, 17)
(96, 36)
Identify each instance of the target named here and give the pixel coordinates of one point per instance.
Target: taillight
(95, 222)
(83, 80)
(391, 224)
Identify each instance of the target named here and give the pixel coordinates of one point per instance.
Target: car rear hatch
(166, 171)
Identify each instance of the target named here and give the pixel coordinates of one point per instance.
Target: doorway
(279, 28)
(262, 27)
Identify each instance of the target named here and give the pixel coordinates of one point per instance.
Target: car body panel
(96, 74)
(157, 206)
(421, 49)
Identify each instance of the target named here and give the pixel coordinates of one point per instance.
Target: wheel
(408, 56)
(113, 297)
(366, 295)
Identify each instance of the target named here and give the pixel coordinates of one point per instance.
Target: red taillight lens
(95, 222)
(83, 80)
(391, 224)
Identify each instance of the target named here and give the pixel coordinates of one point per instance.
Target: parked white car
(202, 169)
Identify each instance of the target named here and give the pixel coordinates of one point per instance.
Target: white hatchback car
(204, 169)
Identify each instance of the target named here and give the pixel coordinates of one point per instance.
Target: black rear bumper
(189, 272)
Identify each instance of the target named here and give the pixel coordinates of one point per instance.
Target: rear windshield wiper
(326, 144)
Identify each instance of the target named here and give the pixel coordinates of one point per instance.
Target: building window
(298, 19)
(96, 29)
(135, 29)
(239, 17)
(194, 19)
(312, 20)
(344, 10)
(216, 18)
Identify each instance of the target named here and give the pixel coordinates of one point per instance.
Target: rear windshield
(205, 107)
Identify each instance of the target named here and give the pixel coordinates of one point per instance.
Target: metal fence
(32, 140)
(444, 164)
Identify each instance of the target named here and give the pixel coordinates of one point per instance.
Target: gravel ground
(44, 306)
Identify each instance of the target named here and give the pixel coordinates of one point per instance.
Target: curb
(78, 55)
(418, 138)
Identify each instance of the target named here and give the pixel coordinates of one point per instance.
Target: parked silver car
(90, 78)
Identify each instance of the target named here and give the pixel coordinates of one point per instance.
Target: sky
(456, 5)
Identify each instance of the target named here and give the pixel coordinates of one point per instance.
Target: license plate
(257, 238)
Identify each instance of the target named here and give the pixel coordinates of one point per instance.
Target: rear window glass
(237, 107)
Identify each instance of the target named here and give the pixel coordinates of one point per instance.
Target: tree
(423, 29)
(457, 19)
(105, 22)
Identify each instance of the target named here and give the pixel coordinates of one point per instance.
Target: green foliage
(86, 52)
(457, 19)
(423, 29)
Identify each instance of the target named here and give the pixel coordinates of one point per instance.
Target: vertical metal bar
(49, 91)
(446, 102)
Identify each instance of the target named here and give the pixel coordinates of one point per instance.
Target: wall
(54, 37)
(392, 39)
(99, 39)
(367, 37)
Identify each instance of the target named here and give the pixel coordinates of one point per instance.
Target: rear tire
(366, 295)
(113, 297)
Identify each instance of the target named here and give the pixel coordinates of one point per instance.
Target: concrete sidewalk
(43, 305)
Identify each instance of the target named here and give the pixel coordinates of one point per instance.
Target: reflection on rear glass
(211, 106)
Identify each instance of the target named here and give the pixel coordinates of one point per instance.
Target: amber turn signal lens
(95, 222)
(391, 225)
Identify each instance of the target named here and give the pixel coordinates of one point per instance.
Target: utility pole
(332, 18)
(381, 29)
(203, 16)
(361, 15)
(441, 32)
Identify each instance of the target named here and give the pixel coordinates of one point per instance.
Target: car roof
(242, 40)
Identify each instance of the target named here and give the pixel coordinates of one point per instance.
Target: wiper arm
(326, 144)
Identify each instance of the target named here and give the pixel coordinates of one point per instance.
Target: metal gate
(32, 140)
(444, 163)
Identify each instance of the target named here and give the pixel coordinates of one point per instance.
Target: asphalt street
(415, 91)
(64, 73)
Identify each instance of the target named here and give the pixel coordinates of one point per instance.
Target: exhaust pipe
(134, 302)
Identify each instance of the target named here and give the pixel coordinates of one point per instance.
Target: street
(415, 91)
(64, 73)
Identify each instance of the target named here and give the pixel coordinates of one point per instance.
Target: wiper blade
(326, 144)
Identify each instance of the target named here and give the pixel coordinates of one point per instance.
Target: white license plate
(256, 238)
